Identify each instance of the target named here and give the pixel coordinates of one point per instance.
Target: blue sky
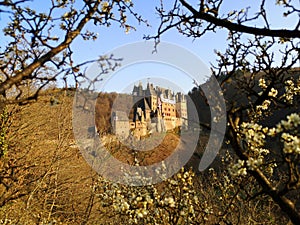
(114, 36)
(203, 47)
(157, 73)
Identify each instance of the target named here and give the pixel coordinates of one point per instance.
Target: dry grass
(51, 183)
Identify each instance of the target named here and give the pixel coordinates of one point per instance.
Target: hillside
(46, 180)
(47, 174)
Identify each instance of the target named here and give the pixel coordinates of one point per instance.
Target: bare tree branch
(284, 33)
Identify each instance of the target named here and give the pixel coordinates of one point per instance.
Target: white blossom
(273, 92)
(262, 83)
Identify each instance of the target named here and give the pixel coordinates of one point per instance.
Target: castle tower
(181, 109)
(138, 93)
(151, 96)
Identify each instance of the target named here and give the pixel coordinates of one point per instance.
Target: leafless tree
(257, 72)
(39, 43)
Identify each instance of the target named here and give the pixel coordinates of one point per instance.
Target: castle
(155, 109)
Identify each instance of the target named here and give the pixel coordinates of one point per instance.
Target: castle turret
(140, 89)
(181, 109)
